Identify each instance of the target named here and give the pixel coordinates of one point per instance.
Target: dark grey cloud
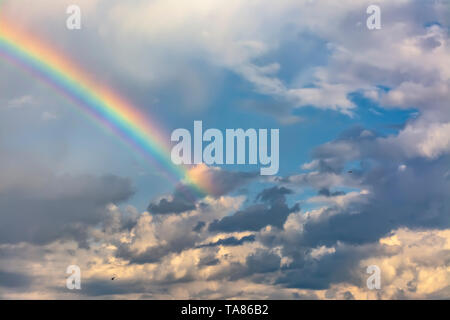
(252, 218)
(255, 217)
(171, 206)
(62, 208)
(183, 200)
(414, 197)
(225, 182)
(210, 260)
(199, 226)
(274, 194)
(231, 241)
(337, 267)
(255, 267)
(327, 193)
(262, 261)
(14, 280)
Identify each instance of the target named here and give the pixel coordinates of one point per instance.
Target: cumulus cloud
(231, 241)
(182, 200)
(257, 216)
(212, 181)
(369, 198)
(157, 236)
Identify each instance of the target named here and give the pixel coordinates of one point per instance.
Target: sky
(364, 176)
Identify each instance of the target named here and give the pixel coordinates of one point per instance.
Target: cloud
(213, 181)
(326, 192)
(423, 140)
(156, 236)
(62, 207)
(217, 182)
(14, 280)
(393, 198)
(413, 265)
(388, 199)
(336, 267)
(255, 217)
(263, 261)
(371, 198)
(182, 200)
(231, 241)
(244, 39)
(274, 194)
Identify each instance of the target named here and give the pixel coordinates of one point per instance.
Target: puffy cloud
(182, 200)
(243, 38)
(156, 236)
(414, 264)
(423, 140)
(258, 216)
(213, 181)
(231, 241)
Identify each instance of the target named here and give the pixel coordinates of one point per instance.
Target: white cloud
(428, 140)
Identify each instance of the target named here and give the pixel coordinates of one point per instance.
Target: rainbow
(101, 103)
